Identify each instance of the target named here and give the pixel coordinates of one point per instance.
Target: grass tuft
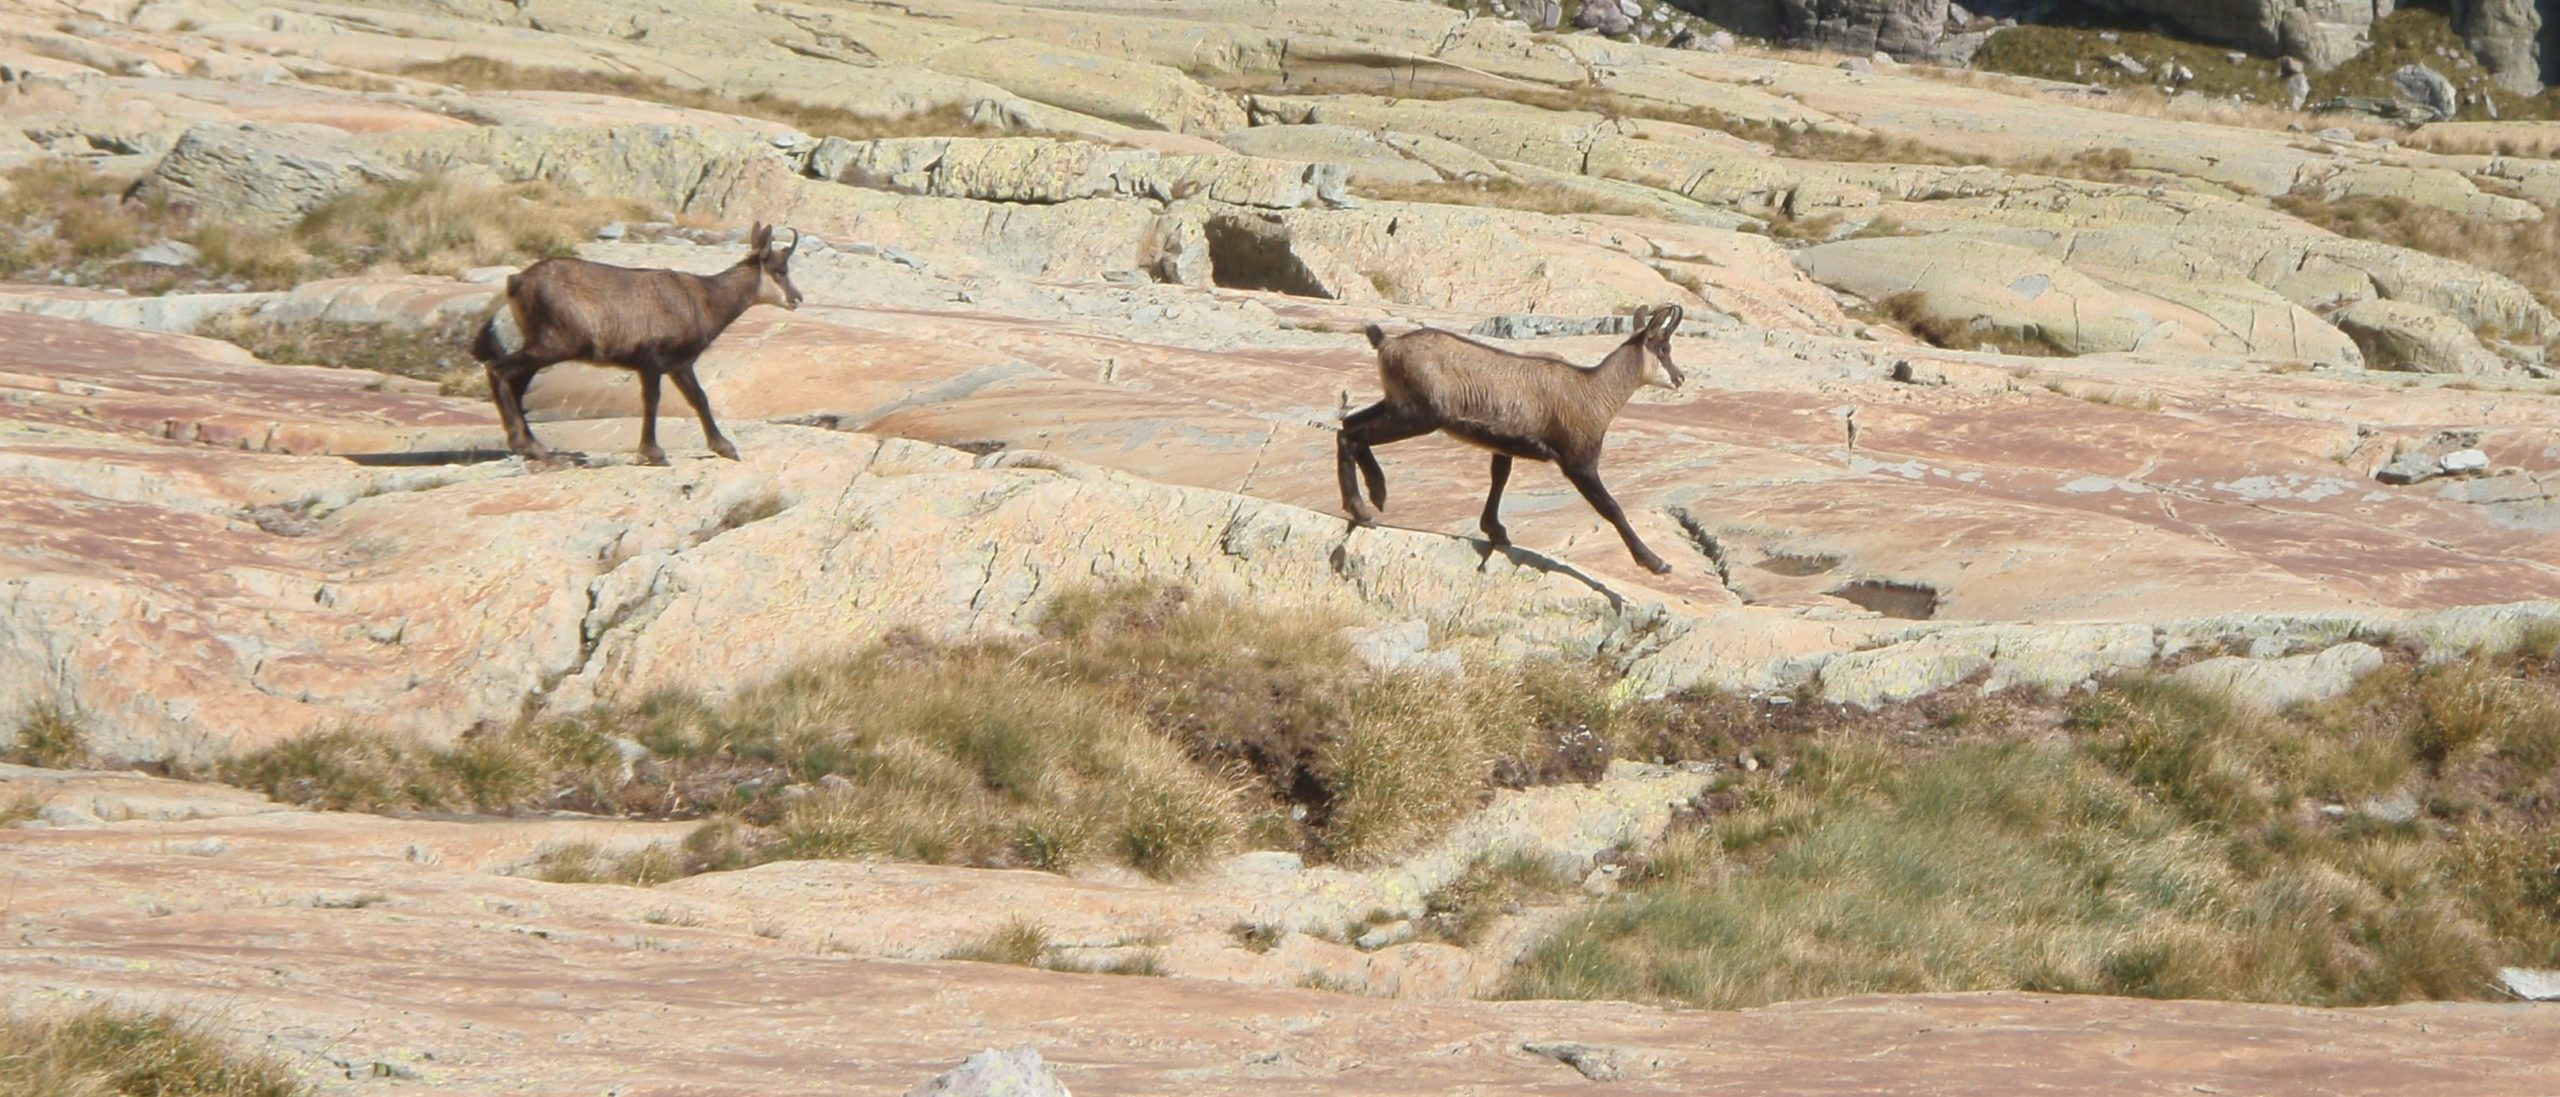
(51, 736)
(100, 1051)
(1910, 311)
(1020, 942)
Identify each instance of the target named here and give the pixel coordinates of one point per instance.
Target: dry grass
(1910, 311)
(20, 808)
(1146, 728)
(2520, 251)
(427, 354)
(1505, 194)
(433, 225)
(62, 221)
(102, 1051)
(2160, 842)
(1019, 942)
(49, 735)
(556, 763)
(816, 120)
(2457, 142)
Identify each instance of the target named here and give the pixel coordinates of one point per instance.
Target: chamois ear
(1643, 319)
(1668, 320)
(761, 239)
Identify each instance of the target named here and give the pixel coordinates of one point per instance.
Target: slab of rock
(2400, 335)
(2279, 684)
(2029, 296)
(265, 176)
(2531, 984)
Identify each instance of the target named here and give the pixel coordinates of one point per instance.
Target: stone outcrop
(2399, 335)
(2509, 39)
(260, 177)
(1902, 28)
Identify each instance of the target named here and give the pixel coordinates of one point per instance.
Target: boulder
(2531, 984)
(2401, 335)
(2507, 36)
(1010, 1072)
(2447, 453)
(260, 175)
(2324, 33)
(166, 253)
(2428, 88)
(1603, 16)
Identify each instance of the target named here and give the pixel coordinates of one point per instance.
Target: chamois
(1517, 405)
(652, 322)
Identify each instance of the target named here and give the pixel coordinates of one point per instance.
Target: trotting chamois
(653, 322)
(1517, 405)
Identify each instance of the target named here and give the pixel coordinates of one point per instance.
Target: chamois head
(1653, 330)
(773, 284)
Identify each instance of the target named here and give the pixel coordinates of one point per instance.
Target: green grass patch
(1460, 911)
(2158, 842)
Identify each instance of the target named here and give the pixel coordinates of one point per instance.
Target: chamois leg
(1377, 424)
(1492, 523)
(682, 374)
(1586, 479)
(509, 377)
(650, 454)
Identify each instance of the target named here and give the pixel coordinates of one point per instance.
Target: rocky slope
(1082, 300)
(388, 954)
(1109, 346)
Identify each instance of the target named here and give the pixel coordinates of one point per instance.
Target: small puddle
(1908, 601)
(1799, 563)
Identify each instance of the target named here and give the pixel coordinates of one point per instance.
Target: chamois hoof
(1656, 566)
(654, 456)
(725, 449)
